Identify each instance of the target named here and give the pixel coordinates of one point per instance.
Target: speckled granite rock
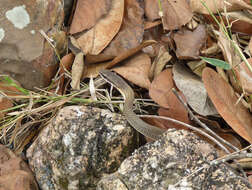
(14, 172)
(25, 55)
(81, 145)
(160, 164)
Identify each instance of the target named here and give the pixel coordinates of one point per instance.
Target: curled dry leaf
(189, 42)
(77, 70)
(225, 101)
(244, 75)
(136, 70)
(159, 62)
(193, 89)
(230, 54)
(218, 5)
(98, 37)
(87, 13)
(131, 31)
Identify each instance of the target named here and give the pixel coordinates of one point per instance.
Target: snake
(127, 92)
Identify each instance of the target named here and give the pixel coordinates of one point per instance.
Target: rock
(160, 164)
(14, 172)
(24, 53)
(78, 147)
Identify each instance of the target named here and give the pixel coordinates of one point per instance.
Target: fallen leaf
(130, 52)
(188, 42)
(94, 69)
(159, 63)
(77, 70)
(5, 103)
(217, 63)
(65, 65)
(97, 38)
(244, 75)
(230, 54)
(151, 10)
(131, 31)
(87, 13)
(225, 101)
(136, 70)
(175, 13)
(161, 92)
(193, 89)
(179, 114)
(216, 6)
(197, 66)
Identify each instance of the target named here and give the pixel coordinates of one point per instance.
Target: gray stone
(160, 164)
(24, 53)
(78, 147)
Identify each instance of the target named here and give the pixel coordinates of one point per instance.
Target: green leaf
(217, 63)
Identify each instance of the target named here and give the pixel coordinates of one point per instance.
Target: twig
(190, 127)
(202, 124)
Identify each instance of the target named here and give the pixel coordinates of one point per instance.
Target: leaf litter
(113, 34)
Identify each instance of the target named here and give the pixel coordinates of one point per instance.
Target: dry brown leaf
(4, 104)
(161, 92)
(179, 114)
(93, 69)
(244, 75)
(87, 13)
(218, 5)
(189, 42)
(151, 10)
(224, 99)
(161, 89)
(230, 54)
(77, 70)
(124, 55)
(65, 65)
(250, 45)
(176, 13)
(131, 31)
(98, 37)
(159, 62)
(136, 70)
(197, 66)
(193, 89)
